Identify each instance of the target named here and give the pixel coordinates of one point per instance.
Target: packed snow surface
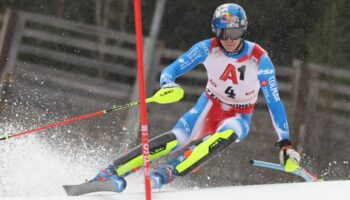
(290, 191)
(32, 169)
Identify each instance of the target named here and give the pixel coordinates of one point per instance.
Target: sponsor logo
(185, 64)
(193, 111)
(145, 150)
(231, 21)
(157, 149)
(187, 127)
(240, 105)
(215, 143)
(263, 83)
(212, 82)
(266, 94)
(228, 18)
(229, 74)
(273, 88)
(216, 51)
(191, 56)
(166, 76)
(266, 71)
(249, 93)
(166, 92)
(205, 48)
(254, 60)
(194, 54)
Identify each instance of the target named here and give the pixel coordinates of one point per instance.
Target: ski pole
(307, 176)
(163, 96)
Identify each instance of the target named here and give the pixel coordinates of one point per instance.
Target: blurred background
(60, 59)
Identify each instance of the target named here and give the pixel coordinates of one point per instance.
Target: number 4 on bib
(230, 92)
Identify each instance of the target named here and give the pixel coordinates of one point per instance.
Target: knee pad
(158, 146)
(206, 150)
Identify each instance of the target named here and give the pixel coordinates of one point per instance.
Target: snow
(32, 169)
(291, 191)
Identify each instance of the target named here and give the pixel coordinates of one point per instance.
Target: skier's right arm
(189, 60)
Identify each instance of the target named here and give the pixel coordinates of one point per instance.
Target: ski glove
(170, 85)
(287, 152)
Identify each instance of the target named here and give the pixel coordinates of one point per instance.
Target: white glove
(287, 152)
(170, 85)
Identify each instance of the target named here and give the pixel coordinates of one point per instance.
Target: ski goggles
(229, 33)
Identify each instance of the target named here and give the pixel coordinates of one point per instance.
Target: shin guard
(159, 146)
(205, 150)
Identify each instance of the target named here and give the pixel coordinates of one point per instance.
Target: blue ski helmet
(229, 22)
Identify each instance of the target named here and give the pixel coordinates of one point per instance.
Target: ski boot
(163, 175)
(108, 174)
(156, 181)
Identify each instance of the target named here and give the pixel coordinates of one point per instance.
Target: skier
(237, 69)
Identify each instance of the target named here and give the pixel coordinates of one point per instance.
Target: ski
(90, 187)
(301, 172)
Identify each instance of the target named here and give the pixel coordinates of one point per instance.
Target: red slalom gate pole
(142, 92)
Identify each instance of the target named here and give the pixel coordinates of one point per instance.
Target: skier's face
(231, 45)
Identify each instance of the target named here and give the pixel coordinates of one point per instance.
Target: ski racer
(237, 69)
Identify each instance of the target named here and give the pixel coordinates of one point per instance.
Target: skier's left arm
(269, 87)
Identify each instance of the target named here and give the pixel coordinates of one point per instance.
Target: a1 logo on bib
(231, 74)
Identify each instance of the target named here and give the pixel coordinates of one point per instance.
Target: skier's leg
(159, 146)
(203, 150)
(163, 144)
(197, 154)
(125, 164)
(131, 161)
(240, 123)
(206, 150)
(233, 129)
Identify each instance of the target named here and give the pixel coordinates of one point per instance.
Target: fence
(48, 41)
(325, 130)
